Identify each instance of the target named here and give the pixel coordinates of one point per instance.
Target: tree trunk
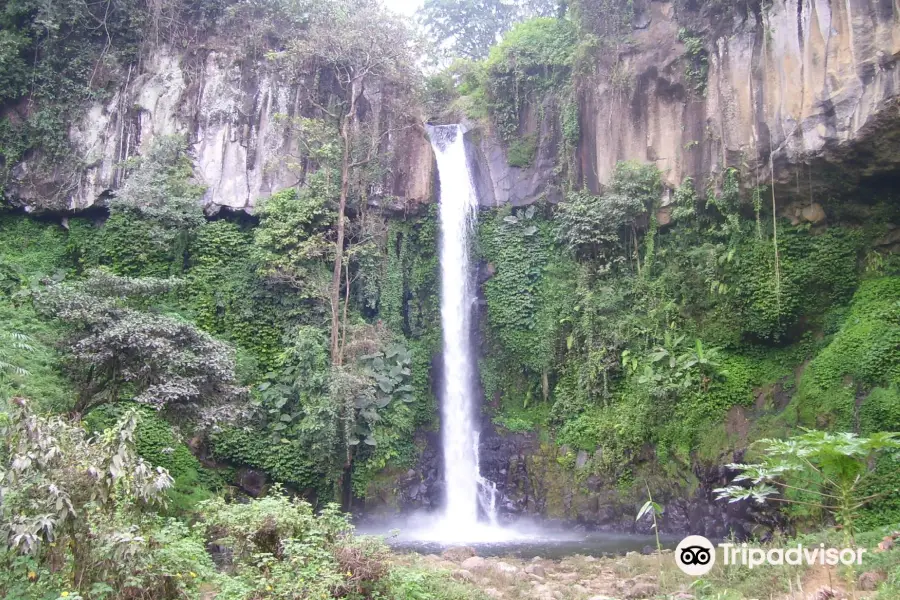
(346, 125)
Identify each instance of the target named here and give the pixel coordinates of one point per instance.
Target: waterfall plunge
(466, 489)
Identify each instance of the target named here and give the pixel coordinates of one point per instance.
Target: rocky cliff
(236, 115)
(797, 80)
(795, 83)
(808, 86)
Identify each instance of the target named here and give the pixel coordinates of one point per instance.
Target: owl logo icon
(695, 555)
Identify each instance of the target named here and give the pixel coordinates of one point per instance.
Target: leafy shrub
(286, 462)
(280, 549)
(617, 431)
(76, 514)
(533, 57)
(600, 228)
(696, 58)
(156, 442)
(116, 346)
(292, 239)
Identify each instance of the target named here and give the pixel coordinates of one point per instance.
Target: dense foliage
(152, 359)
(662, 338)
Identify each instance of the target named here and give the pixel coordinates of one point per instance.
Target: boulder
(536, 570)
(458, 553)
(474, 563)
(504, 568)
(870, 580)
(463, 575)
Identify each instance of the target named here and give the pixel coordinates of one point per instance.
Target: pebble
(642, 590)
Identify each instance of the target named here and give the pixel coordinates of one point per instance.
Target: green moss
(521, 151)
(285, 462)
(156, 443)
(863, 354)
(227, 296)
(45, 383)
(814, 274)
(29, 249)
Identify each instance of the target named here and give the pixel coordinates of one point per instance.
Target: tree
(117, 348)
(78, 512)
(597, 226)
(156, 211)
(468, 28)
(160, 187)
(606, 227)
(334, 414)
(294, 239)
(367, 52)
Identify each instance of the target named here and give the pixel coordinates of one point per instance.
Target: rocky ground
(631, 577)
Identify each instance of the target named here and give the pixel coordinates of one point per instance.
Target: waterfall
(466, 489)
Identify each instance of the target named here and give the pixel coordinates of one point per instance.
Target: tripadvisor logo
(696, 555)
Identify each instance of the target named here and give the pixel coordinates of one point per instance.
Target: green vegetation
(149, 359)
(657, 335)
(533, 57)
(78, 521)
(817, 469)
(696, 59)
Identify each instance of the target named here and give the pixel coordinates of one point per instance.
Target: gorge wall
(236, 114)
(811, 83)
(807, 82)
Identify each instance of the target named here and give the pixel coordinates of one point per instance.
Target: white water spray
(466, 489)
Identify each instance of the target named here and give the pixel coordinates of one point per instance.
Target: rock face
(498, 183)
(805, 83)
(804, 80)
(531, 481)
(232, 111)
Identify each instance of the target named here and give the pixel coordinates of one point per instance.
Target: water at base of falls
(470, 510)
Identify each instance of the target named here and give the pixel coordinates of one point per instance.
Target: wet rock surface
(531, 483)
